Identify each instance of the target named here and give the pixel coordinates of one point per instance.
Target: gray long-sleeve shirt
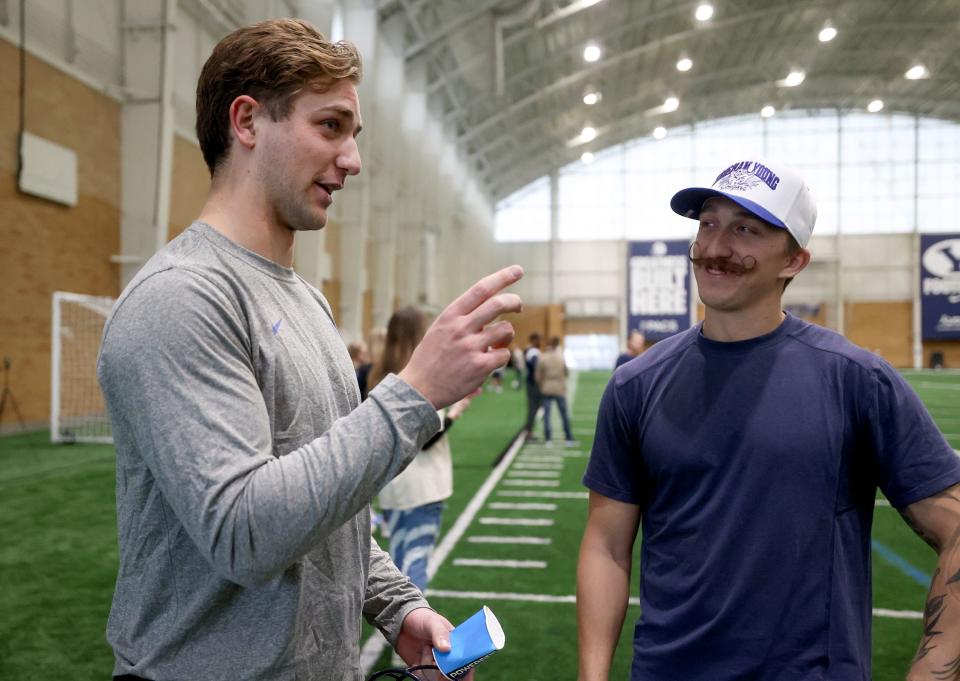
(244, 472)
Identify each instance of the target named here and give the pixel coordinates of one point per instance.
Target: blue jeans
(413, 534)
(545, 401)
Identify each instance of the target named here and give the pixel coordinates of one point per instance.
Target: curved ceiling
(510, 74)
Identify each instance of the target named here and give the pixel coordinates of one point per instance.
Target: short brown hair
(271, 61)
(793, 247)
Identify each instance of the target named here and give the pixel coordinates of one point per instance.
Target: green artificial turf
(58, 555)
(58, 558)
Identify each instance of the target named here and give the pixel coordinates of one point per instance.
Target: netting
(78, 412)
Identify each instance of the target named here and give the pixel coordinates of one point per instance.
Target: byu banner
(940, 286)
(658, 288)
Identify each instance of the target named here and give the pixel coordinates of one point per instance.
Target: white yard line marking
(374, 645)
(530, 506)
(484, 562)
(556, 452)
(371, 650)
(544, 458)
(509, 540)
(497, 596)
(542, 495)
(537, 466)
(524, 522)
(546, 598)
(898, 614)
(533, 474)
(479, 499)
(927, 385)
(881, 502)
(517, 482)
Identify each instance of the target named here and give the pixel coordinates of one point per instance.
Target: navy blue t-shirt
(755, 465)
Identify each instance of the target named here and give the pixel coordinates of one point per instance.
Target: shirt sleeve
(390, 595)
(177, 374)
(913, 459)
(615, 468)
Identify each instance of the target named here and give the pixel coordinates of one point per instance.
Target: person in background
(375, 340)
(516, 365)
(412, 503)
(530, 358)
(358, 356)
(495, 384)
(551, 377)
(749, 449)
(245, 462)
(635, 343)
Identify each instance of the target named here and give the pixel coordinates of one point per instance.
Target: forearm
(938, 655)
(274, 515)
(389, 596)
(603, 587)
(937, 521)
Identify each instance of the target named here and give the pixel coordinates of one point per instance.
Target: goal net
(77, 409)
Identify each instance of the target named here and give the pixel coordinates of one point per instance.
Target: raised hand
(462, 346)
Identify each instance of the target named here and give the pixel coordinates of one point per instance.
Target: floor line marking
(533, 474)
(523, 465)
(486, 562)
(481, 539)
(524, 522)
(548, 598)
(897, 561)
(517, 482)
(529, 506)
(541, 495)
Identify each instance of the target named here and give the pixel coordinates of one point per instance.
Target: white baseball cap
(770, 191)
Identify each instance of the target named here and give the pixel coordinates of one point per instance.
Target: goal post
(78, 412)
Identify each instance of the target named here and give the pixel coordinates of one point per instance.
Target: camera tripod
(8, 395)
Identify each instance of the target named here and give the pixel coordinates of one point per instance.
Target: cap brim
(688, 202)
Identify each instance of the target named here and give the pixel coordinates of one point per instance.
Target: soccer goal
(78, 412)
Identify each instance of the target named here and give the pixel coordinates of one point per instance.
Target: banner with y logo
(940, 286)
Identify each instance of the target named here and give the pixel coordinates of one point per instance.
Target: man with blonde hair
(245, 466)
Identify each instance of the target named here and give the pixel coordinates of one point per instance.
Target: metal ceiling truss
(739, 55)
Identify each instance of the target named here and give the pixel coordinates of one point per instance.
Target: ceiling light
(591, 98)
(591, 53)
(659, 132)
(827, 34)
(588, 134)
(704, 11)
(917, 72)
(875, 106)
(767, 111)
(671, 104)
(794, 78)
(684, 64)
(586, 157)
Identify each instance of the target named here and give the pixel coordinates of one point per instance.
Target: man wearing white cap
(750, 447)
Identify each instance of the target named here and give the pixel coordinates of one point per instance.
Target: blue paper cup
(470, 643)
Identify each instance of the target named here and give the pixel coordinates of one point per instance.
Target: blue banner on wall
(658, 288)
(940, 286)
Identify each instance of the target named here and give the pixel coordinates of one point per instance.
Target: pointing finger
(489, 286)
(493, 307)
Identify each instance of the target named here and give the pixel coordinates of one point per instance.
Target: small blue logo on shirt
(275, 327)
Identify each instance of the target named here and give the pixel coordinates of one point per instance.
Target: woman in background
(412, 503)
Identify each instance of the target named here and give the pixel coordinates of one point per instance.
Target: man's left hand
(422, 630)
